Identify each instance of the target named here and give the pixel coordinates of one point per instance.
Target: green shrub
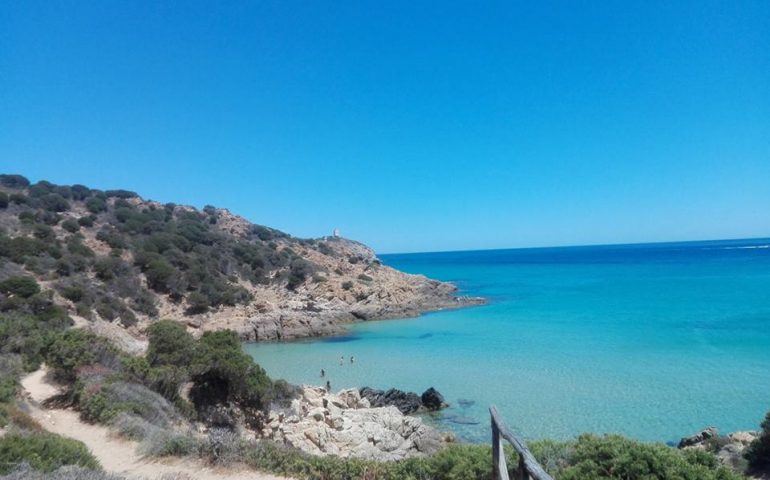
(71, 225)
(26, 217)
(169, 344)
(44, 232)
(86, 221)
(168, 443)
(76, 246)
(158, 273)
(18, 198)
(365, 278)
(96, 205)
(13, 181)
(616, 457)
(347, 285)
(4, 200)
(24, 287)
(42, 451)
(41, 189)
(222, 372)
(80, 192)
(112, 237)
(197, 303)
(53, 202)
(123, 194)
(758, 453)
(107, 268)
(76, 348)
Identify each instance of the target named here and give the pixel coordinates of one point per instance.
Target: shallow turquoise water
(651, 341)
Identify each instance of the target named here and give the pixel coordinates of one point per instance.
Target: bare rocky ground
(344, 424)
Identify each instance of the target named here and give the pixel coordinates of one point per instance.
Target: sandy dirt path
(115, 454)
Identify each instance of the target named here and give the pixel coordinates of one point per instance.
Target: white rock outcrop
(345, 425)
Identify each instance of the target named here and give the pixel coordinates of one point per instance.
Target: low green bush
(42, 451)
(71, 225)
(24, 287)
(616, 457)
(168, 443)
(758, 453)
(76, 348)
(96, 205)
(169, 344)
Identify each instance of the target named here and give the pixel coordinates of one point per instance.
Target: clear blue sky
(412, 126)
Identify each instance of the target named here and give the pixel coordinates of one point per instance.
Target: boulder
(347, 428)
(433, 400)
(699, 438)
(406, 402)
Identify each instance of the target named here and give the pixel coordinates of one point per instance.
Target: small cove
(651, 341)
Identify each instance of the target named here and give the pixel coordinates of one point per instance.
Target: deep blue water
(652, 341)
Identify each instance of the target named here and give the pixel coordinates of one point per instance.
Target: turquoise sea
(653, 341)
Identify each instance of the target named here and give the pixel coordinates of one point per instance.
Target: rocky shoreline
(728, 449)
(347, 425)
(320, 307)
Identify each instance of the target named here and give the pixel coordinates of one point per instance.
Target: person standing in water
(323, 373)
(328, 386)
(342, 360)
(352, 359)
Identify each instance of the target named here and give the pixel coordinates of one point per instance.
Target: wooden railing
(528, 468)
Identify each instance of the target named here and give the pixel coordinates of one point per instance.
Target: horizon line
(661, 242)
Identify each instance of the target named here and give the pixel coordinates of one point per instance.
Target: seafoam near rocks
(344, 424)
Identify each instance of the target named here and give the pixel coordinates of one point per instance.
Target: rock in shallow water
(699, 438)
(406, 402)
(432, 400)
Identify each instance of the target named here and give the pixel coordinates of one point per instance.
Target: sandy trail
(118, 455)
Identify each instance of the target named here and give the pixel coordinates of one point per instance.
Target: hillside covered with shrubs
(112, 253)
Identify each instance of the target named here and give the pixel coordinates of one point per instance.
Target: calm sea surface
(651, 341)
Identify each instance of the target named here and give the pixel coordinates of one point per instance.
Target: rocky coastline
(347, 425)
(728, 449)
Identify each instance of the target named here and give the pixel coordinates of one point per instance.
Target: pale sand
(118, 455)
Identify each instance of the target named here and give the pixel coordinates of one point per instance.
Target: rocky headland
(112, 257)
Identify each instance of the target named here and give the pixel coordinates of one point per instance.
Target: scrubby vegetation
(42, 451)
(758, 453)
(113, 254)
